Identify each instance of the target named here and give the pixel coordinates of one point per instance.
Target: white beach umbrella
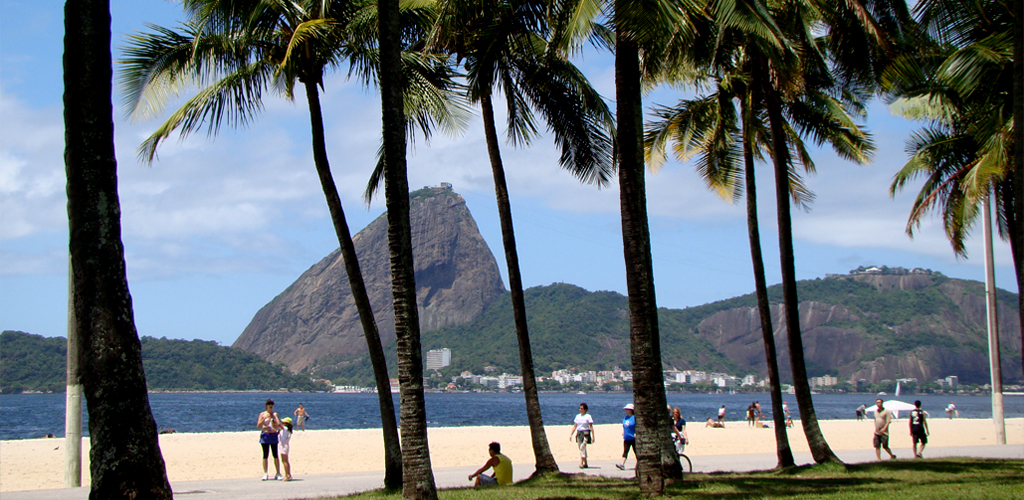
(894, 406)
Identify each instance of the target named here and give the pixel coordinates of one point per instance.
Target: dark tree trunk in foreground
(815, 440)
(782, 449)
(417, 476)
(545, 461)
(657, 461)
(125, 459)
(392, 445)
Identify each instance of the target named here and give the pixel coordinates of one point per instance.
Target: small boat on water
(582, 393)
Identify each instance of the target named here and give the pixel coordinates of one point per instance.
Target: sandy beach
(38, 463)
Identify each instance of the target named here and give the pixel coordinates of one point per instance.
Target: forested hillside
(854, 326)
(35, 363)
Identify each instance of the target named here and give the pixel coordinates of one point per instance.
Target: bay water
(36, 415)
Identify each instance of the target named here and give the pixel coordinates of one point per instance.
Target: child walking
(285, 439)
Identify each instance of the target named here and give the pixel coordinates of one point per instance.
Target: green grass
(945, 479)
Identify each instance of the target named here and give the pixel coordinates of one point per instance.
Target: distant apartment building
(749, 380)
(823, 381)
(726, 381)
(952, 382)
(506, 381)
(438, 358)
(490, 381)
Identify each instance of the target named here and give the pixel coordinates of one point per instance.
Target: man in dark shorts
(918, 429)
(883, 418)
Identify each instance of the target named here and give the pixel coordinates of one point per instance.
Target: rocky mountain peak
(456, 278)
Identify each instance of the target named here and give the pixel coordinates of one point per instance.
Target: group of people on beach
(754, 416)
(275, 436)
(918, 429)
(275, 439)
(583, 431)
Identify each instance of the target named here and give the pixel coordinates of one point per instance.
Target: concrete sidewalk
(343, 484)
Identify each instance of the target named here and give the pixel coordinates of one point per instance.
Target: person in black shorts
(918, 429)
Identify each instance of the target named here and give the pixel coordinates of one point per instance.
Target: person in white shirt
(583, 430)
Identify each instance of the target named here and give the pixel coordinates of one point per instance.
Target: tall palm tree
(747, 36)
(846, 75)
(248, 47)
(707, 125)
(417, 475)
(502, 47)
(643, 27)
(125, 459)
(963, 84)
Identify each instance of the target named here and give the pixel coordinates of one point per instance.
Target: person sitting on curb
(502, 469)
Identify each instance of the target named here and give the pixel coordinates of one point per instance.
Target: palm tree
(501, 45)
(640, 27)
(845, 76)
(961, 83)
(125, 457)
(418, 478)
(249, 47)
(707, 126)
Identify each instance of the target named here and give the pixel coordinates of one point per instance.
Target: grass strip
(945, 478)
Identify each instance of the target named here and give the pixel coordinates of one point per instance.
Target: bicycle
(684, 460)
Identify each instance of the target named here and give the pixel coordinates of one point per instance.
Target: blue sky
(216, 228)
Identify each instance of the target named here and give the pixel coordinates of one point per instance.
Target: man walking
(883, 418)
(721, 416)
(628, 435)
(918, 429)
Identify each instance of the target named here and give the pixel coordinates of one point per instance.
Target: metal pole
(993, 329)
(73, 405)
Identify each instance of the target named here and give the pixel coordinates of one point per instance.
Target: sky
(218, 226)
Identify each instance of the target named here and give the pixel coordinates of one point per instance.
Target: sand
(39, 463)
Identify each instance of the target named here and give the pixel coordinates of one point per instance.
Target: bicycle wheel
(685, 462)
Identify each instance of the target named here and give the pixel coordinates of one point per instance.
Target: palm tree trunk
(657, 461)
(815, 440)
(545, 461)
(417, 476)
(1017, 220)
(125, 457)
(782, 449)
(392, 445)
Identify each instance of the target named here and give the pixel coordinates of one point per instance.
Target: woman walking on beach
(269, 423)
(583, 428)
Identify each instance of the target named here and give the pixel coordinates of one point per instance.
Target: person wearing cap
(628, 435)
(284, 438)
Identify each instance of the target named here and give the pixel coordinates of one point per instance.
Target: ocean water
(35, 415)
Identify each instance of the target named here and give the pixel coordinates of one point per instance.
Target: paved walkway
(343, 484)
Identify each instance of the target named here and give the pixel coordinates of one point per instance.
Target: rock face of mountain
(876, 327)
(860, 326)
(315, 319)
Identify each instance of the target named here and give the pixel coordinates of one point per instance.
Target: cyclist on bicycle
(679, 430)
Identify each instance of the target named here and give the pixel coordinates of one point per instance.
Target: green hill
(35, 363)
(887, 325)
